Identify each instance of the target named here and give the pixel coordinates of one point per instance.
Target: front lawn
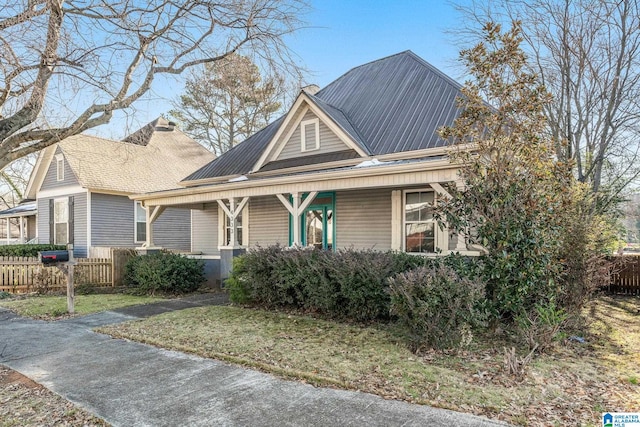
(50, 307)
(570, 386)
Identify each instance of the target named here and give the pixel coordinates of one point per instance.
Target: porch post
(8, 231)
(232, 211)
(149, 228)
(296, 208)
(21, 219)
(152, 214)
(296, 220)
(233, 249)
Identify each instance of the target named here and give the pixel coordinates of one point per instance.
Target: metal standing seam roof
(390, 105)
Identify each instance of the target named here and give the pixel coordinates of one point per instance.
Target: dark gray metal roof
(241, 158)
(387, 106)
(310, 160)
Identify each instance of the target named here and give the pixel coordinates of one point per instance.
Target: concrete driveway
(132, 384)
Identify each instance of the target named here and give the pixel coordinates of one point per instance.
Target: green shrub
(163, 272)
(347, 284)
(5, 295)
(436, 306)
(28, 250)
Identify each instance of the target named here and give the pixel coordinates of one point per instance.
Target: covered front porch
(18, 224)
(381, 207)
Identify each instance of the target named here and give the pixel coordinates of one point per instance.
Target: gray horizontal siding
(79, 225)
(112, 221)
(329, 142)
(172, 229)
(268, 222)
(363, 219)
(112, 224)
(50, 179)
(204, 230)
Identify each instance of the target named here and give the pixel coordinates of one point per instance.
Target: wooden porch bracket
(153, 212)
(232, 211)
(296, 209)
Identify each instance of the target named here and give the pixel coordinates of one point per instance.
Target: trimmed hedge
(347, 283)
(28, 250)
(163, 272)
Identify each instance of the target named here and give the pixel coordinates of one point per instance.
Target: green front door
(317, 223)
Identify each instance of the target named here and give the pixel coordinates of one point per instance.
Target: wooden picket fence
(626, 275)
(26, 274)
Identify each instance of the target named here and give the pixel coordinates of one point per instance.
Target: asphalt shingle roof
(391, 105)
(166, 157)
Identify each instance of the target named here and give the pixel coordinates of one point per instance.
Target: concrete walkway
(132, 384)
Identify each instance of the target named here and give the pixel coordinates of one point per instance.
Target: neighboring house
(81, 187)
(18, 224)
(357, 164)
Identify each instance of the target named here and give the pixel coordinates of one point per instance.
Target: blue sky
(342, 34)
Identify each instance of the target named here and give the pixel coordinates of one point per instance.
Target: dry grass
(52, 307)
(570, 386)
(25, 403)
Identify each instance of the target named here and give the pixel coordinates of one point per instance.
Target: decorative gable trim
(277, 143)
(39, 171)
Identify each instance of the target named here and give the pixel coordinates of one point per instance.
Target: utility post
(70, 287)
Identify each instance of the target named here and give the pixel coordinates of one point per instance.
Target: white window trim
(64, 201)
(436, 229)
(59, 167)
(222, 225)
(303, 124)
(135, 222)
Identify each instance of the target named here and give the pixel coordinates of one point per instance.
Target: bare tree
(67, 65)
(587, 54)
(14, 179)
(227, 102)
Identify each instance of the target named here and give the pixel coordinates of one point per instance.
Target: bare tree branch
(69, 65)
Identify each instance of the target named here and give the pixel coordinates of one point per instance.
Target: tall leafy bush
(436, 306)
(515, 190)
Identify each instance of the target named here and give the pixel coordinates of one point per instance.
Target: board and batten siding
(268, 222)
(363, 219)
(79, 222)
(112, 224)
(204, 230)
(50, 179)
(329, 141)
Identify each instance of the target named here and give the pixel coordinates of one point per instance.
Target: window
(59, 167)
(419, 225)
(141, 223)
(310, 134)
(61, 221)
